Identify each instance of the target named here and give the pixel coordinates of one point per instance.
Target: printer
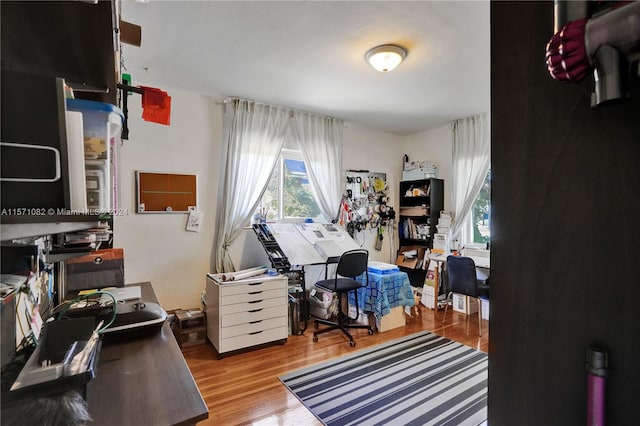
(133, 318)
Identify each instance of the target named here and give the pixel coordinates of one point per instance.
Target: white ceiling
(309, 55)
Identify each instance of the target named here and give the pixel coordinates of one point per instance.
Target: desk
(483, 267)
(144, 382)
(383, 292)
(304, 243)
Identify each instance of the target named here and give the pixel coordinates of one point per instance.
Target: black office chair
(462, 279)
(351, 264)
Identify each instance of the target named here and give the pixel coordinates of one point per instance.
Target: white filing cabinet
(246, 312)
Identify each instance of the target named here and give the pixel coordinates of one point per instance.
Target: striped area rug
(421, 379)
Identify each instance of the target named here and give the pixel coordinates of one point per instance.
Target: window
(481, 212)
(288, 195)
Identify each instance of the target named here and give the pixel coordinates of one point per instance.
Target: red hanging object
(156, 105)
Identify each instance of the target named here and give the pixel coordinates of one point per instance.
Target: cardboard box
(412, 262)
(189, 318)
(393, 319)
(465, 304)
(414, 211)
(190, 337)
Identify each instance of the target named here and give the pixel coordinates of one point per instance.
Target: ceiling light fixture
(386, 57)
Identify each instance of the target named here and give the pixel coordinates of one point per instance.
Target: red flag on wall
(156, 105)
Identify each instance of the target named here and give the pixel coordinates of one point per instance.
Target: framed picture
(166, 192)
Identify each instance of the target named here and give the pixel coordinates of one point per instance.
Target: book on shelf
(410, 229)
(414, 211)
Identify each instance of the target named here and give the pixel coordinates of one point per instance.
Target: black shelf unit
(421, 202)
(45, 44)
(73, 40)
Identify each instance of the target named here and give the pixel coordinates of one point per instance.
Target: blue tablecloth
(384, 291)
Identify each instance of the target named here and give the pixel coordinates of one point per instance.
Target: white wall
(156, 246)
(433, 145)
(366, 149)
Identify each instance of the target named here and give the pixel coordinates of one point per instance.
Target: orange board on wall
(166, 192)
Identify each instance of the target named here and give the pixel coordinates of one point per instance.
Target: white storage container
(485, 309)
(441, 242)
(444, 221)
(75, 148)
(442, 229)
(381, 268)
(102, 123)
(428, 296)
(420, 173)
(322, 304)
(247, 312)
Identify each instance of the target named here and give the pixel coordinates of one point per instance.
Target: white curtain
(471, 161)
(320, 141)
(253, 135)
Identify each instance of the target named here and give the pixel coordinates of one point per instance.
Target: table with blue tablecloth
(383, 292)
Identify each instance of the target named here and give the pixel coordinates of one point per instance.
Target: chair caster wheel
(315, 338)
(352, 343)
(370, 332)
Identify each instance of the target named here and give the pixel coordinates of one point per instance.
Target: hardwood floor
(244, 389)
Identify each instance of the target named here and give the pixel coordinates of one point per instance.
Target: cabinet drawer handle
(255, 283)
(255, 322)
(255, 292)
(255, 310)
(256, 332)
(255, 301)
(55, 160)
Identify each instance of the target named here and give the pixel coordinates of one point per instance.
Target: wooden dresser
(246, 312)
